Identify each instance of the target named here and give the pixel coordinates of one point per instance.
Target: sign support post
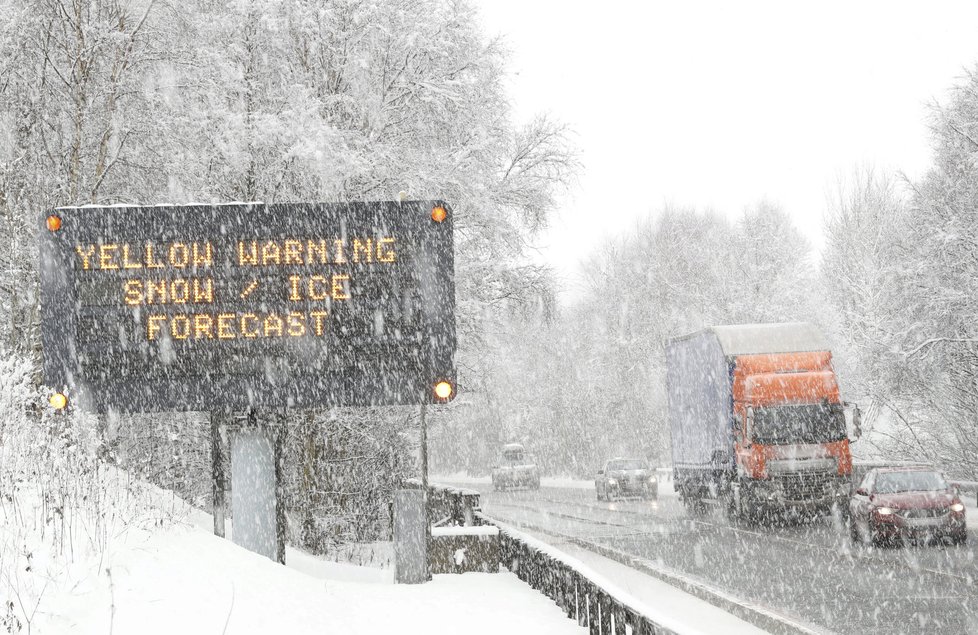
(281, 522)
(424, 449)
(218, 479)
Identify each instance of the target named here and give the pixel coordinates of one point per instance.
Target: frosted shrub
(61, 508)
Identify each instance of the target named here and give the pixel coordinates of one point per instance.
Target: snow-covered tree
(150, 101)
(587, 382)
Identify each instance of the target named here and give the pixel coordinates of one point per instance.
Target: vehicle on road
(626, 477)
(756, 420)
(514, 469)
(896, 504)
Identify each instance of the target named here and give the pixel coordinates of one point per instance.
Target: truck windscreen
(807, 423)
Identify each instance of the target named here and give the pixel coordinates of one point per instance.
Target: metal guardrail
(580, 597)
(448, 505)
(583, 595)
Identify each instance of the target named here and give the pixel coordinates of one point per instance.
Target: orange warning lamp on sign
(444, 390)
(58, 401)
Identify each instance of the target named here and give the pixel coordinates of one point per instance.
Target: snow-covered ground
(184, 580)
(139, 560)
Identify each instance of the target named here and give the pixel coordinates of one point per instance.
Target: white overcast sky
(719, 104)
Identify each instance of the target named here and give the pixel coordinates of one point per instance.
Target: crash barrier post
(580, 597)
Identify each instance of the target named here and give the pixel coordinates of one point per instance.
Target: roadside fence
(582, 594)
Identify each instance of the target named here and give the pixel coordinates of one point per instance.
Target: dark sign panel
(248, 305)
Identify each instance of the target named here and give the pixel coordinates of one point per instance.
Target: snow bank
(183, 580)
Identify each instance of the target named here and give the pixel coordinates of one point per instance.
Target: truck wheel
(744, 507)
(754, 513)
(875, 537)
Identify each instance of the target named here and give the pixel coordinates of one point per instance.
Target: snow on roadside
(183, 580)
(154, 567)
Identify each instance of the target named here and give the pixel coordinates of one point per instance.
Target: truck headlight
(651, 479)
(612, 481)
(884, 511)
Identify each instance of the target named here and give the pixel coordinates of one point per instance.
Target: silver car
(626, 477)
(514, 469)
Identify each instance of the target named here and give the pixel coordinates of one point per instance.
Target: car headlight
(957, 507)
(884, 511)
(612, 481)
(651, 479)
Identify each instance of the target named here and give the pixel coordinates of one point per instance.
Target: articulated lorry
(756, 420)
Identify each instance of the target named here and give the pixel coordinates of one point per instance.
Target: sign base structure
(410, 537)
(253, 492)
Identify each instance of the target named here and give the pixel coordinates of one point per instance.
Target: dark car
(626, 477)
(514, 469)
(906, 503)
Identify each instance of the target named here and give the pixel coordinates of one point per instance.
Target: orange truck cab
(756, 420)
